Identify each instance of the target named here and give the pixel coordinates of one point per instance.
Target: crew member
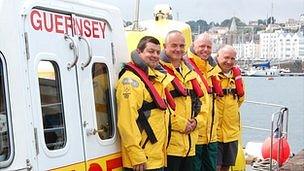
(143, 114)
(228, 108)
(187, 91)
(200, 57)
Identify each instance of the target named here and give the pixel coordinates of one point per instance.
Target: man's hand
(188, 128)
(140, 167)
(192, 124)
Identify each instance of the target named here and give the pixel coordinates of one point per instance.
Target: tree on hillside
(261, 22)
(202, 26)
(211, 24)
(193, 26)
(198, 26)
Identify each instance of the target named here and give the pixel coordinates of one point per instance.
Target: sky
(215, 10)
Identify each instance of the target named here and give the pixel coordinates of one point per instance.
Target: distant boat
(263, 70)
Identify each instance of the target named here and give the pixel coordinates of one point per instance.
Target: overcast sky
(215, 10)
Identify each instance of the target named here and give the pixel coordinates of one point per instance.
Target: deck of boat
(296, 163)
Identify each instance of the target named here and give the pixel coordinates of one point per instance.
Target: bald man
(187, 117)
(228, 108)
(206, 149)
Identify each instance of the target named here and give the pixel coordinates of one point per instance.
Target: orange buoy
(284, 150)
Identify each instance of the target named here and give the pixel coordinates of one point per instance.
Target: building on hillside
(290, 46)
(268, 41)
(292, 25)
(217, 34)
(281, 45)
(247, 50)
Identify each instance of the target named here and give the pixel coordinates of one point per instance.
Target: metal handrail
(282, 113)
(86, 63)
(265, 104)
(74, 47)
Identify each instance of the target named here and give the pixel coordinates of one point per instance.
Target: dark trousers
(179, 163)
(206, 157)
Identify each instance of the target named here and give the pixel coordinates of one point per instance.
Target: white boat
(263, 72)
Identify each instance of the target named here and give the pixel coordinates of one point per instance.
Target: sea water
(285, 91)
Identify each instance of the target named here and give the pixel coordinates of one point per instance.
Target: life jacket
(217, 88)
(239, 86)
(180, 88)
(215, 82)
(157, 102)
(209, 90)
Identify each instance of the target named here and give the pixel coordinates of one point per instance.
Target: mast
(136, 15)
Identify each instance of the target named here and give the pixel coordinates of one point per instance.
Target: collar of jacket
(185, 65)
(220, 72)
(140, 63)
(158, 73)
(164, 57)
(165, 60)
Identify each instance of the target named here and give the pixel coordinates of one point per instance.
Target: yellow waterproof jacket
(228, 108)
(182, 144)
(131, 93)
(207, 133)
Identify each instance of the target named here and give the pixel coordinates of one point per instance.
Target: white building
(280, 45)
(248, 50)
(268, 41)
(290, 46)
(217, 34)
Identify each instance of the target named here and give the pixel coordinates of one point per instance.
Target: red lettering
(114, 163)
(68, 24)
(58, 23)
(103, 28)
(48, 29)
(36, 20)
(87, 32)
(95, 167)
(94, 28)
(78, 26)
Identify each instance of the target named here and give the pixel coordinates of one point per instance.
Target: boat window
(101, 86)
(5, 140)
(51, 105)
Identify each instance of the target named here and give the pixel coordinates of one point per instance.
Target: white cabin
(59, 61)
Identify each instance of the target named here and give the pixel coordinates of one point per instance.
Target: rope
(264, 165)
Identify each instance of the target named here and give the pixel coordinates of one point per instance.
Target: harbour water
(286, 91)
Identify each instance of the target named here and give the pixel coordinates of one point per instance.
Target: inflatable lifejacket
(239, 86)
(216, 86)
(215, 82)
(209, 90)
(170, 99)
(182, 91)
(157, 102)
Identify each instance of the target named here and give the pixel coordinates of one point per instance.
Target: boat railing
(279, 121)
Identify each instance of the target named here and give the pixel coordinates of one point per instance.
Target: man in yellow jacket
(187, 117)
(228, 109)
(142, 117)
(206, 148)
